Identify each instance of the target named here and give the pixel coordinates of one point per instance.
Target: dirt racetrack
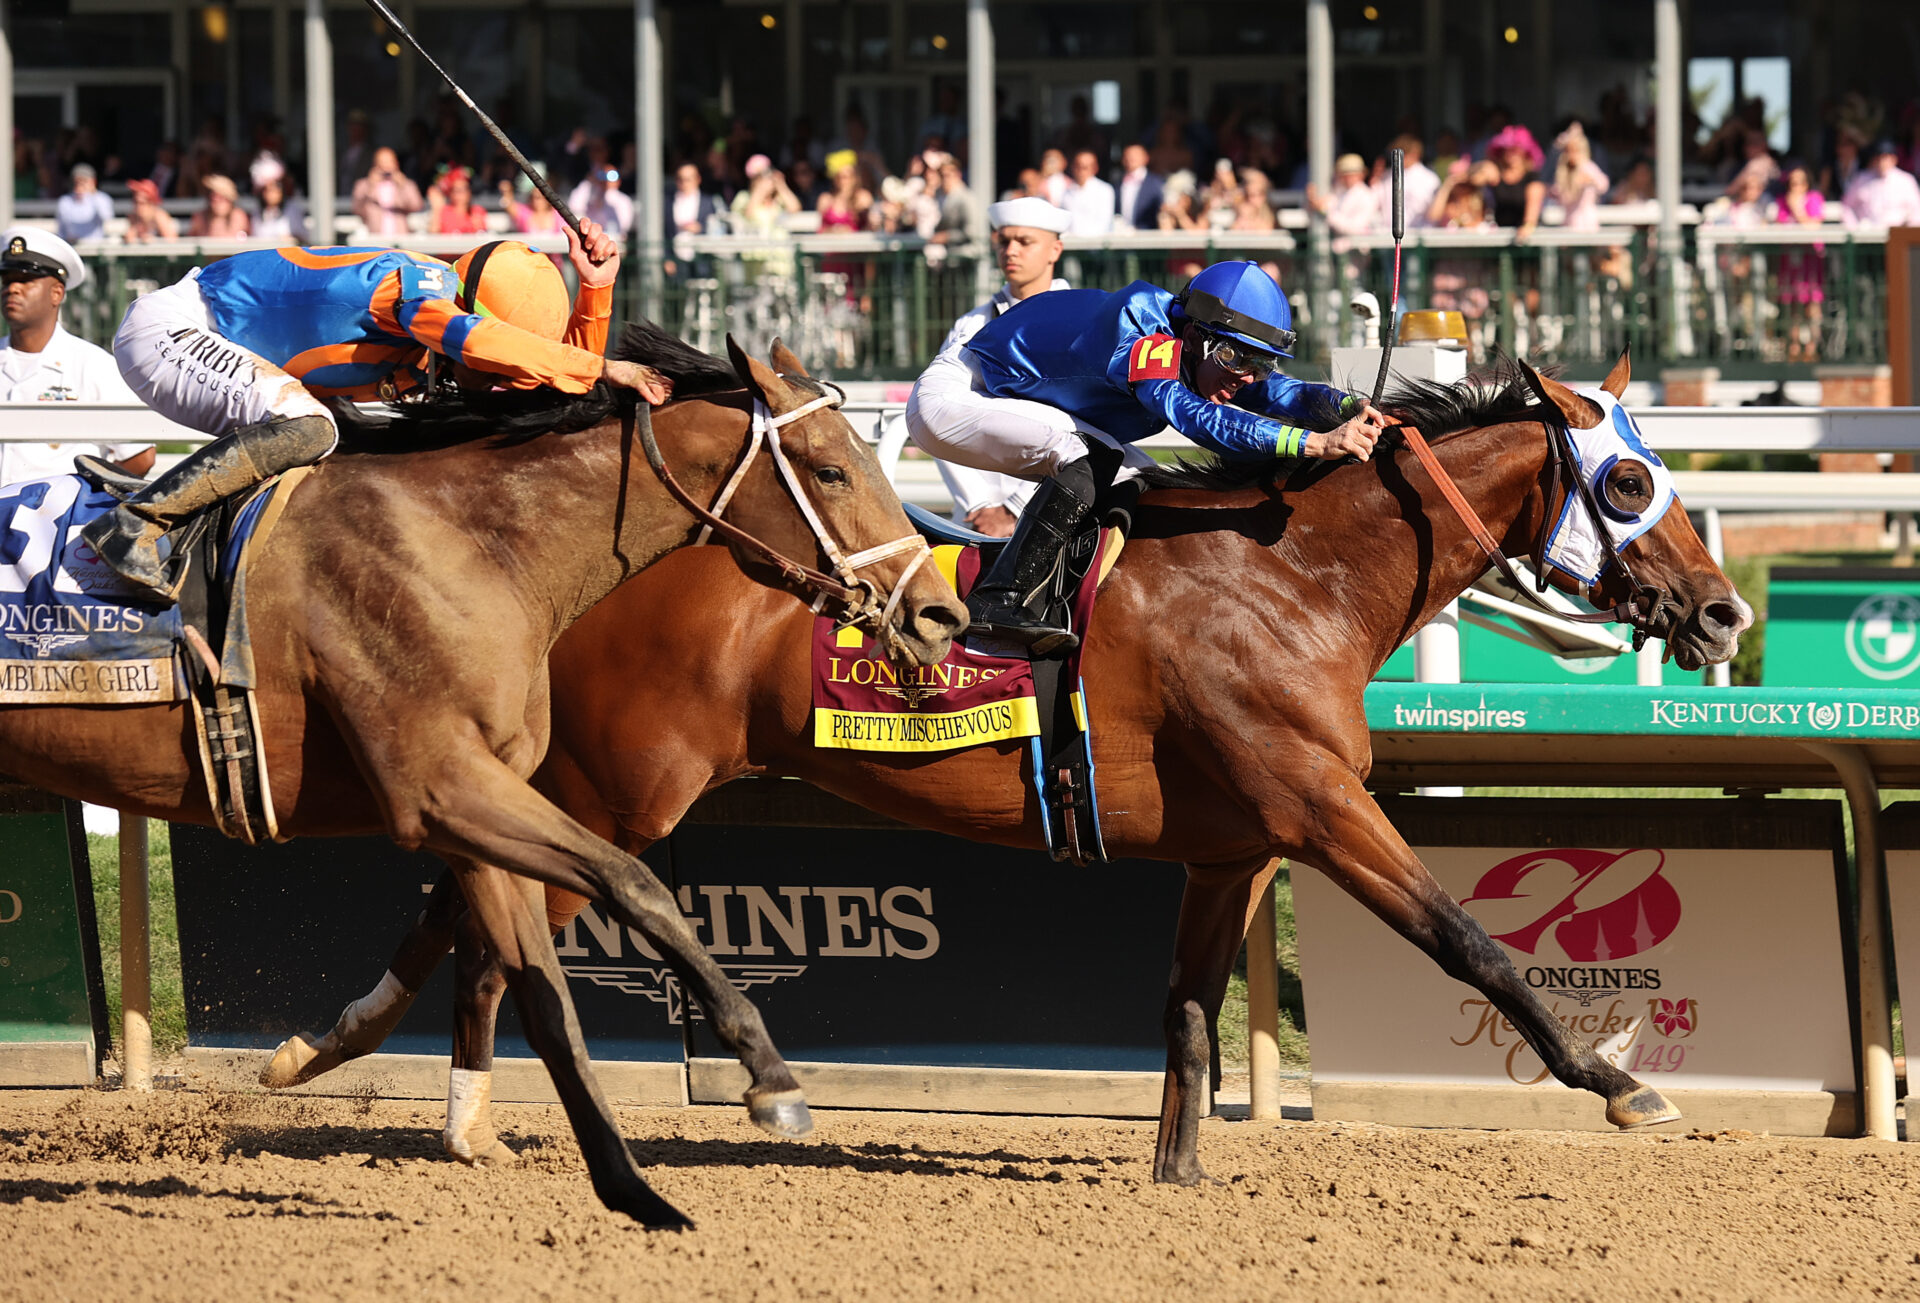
(185, 1196)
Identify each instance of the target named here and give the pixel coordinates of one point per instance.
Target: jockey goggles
(1240, 359)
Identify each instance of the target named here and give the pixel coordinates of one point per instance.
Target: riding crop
(1397, 161)
(493, 128)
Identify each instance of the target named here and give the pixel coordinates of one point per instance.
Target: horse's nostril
(1720, 615)
(948, 617)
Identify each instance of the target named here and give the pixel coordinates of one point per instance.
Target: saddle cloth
(71, 633)
(863, 702)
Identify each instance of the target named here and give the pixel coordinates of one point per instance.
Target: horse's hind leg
(488, 814)
(368, 1021)
(1214, 912)
(514, 924)
(1358, 848)
(478, 984)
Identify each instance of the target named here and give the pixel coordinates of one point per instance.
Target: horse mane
(1491, 396)
(453, 416)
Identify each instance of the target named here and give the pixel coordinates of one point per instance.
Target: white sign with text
(1690, 969)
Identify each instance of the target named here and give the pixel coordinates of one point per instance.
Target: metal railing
(1758, 301)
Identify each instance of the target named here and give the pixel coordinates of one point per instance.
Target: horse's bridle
(859, 599)
(1651, 611)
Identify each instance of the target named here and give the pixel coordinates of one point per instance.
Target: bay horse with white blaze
(402, 612)
(1224, 671)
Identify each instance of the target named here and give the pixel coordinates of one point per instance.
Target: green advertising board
(1607, 709)
(1843, 627)
(53, 1013)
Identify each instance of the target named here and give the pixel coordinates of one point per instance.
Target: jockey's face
(1207, 375)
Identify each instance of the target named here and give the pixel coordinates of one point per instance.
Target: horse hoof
(289, 1064)
(1646, 1107)
(479, 1150)
(647, 1208)
(783, 1113)
(1184, 1175)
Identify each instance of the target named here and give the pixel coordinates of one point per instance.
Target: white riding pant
(973, 489)
(950, 417)
(182, 368)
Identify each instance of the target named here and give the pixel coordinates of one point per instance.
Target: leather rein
(859, 599)
(1649, 610)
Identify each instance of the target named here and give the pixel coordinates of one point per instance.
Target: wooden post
(1263, 1011)
(136, 1028)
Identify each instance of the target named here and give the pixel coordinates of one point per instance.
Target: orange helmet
(509, 281)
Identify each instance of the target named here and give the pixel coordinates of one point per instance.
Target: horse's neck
(1497, 469)
(579, 513)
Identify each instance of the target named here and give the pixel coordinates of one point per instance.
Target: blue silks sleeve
(1228, 430)
(1299, 401)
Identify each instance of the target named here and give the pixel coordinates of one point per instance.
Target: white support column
(1436, 659)
(649, 152)
(980, 141)
(1263, 1011)
(136, 986)
(6, 121)
(1877, 1090)
(1319, 97)
(320, 159)
(1669, 85)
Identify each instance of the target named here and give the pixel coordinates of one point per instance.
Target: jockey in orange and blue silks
(1072, 367)
(246, 349)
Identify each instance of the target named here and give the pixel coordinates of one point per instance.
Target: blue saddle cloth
(70, 631)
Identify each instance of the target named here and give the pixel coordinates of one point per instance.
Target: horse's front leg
(510, 915)
(1350, 839)
(367, 1022)
(487, 813)
(1215, 910)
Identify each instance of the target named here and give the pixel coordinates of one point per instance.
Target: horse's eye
(1629, 488)
(830, 475)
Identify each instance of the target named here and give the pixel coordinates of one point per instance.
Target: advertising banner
(922, 960)
(1843, 626)
(1702, 954)
(53, 1014)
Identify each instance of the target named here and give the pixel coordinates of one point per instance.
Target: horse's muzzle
(1710, 633)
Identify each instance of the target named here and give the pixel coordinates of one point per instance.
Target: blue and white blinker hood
(1574, 547)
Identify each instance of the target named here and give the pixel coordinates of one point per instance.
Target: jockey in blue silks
(1072, 366)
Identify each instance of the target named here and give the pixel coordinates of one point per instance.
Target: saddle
(209, 548)
(1061, 754)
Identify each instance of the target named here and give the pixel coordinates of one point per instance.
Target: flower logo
(1674, 1018)
(1826, 717)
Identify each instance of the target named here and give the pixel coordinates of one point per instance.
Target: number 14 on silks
(39, 518)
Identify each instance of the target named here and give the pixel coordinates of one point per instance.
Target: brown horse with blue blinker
(1224, 670)
(402, 612)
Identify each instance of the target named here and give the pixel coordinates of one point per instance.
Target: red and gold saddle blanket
(864, 702)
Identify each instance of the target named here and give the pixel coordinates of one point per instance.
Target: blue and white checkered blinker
(1632, 485)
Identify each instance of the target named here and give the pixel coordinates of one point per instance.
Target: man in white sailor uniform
(1026, 243)
(41, 363)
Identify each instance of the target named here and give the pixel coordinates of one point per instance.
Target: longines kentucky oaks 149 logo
(758, 935)
(1583, 916)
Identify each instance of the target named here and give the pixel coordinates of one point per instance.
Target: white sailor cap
(31, 248)
(1029, 210)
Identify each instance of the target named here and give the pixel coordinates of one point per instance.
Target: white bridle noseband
(764, 431)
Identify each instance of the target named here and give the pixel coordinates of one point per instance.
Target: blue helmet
(1241, 302)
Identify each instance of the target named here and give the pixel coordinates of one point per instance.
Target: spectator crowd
(1231, 172)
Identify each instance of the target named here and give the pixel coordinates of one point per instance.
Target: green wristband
(1351, 404)
(1292, 439)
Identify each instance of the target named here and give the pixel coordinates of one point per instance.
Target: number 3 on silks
(32, 514)
(1154, 357)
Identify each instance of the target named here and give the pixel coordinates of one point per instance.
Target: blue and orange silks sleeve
(418, 302)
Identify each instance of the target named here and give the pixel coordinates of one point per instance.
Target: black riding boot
(1009, 602)
(128, 537)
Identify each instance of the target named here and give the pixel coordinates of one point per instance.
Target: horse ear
(785, 362)
(1616, 381)
(754, 374)
(1581, 413)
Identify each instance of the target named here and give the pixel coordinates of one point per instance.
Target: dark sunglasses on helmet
(1243, 360)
